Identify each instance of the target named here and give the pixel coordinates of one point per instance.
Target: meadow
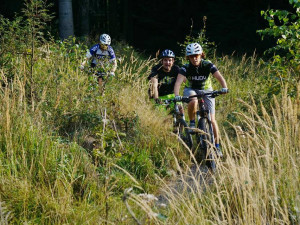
(70, 155)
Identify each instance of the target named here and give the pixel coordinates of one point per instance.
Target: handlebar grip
(185, 99)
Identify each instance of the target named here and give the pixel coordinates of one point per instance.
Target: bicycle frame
(202, 112)
(205, 125)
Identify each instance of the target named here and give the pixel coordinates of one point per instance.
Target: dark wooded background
(157, 24)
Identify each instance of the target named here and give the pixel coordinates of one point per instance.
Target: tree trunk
(66, 27)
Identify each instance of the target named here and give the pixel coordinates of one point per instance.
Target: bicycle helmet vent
(193, 49)
(167, 53)
(105, 39)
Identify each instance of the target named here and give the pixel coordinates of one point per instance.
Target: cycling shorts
(209, 102)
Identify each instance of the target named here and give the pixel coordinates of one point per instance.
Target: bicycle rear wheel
(184, 133)
(204, 140)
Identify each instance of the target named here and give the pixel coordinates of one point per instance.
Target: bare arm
(87, 57)
(180, 79)
(114, 67)
(84, 62)
(154, 87)
(220, 78)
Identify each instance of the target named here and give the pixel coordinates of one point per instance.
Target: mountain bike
(205, 135)
(180, 126)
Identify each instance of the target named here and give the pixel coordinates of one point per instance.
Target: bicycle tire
(203, 141)
(184, 133)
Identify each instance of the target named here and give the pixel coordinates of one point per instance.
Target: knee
(192, 104)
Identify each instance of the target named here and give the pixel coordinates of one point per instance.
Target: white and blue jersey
(99, 55)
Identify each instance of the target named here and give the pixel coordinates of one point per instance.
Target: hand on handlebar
(224, 90)
(178, 98)
(158, 101)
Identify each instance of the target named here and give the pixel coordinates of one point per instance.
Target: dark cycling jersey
(198, 76)
(166, 80)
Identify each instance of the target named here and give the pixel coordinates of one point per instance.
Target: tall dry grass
(257, 183)
(47, 177)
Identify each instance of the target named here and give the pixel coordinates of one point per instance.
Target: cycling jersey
(100, 55)
(166, 80)
(199, 76)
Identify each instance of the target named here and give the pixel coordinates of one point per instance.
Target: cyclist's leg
(101, 84)
(215, 127)
(192, 106)
(216, 134)
(100, 81)
(210, 105)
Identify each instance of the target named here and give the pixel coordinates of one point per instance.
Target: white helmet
(105, 39)
(193, 49)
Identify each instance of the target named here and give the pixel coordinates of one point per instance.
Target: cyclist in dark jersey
(198, 73)
(163, 77)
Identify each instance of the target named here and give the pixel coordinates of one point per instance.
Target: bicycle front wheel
(184, 133)
(205, 139)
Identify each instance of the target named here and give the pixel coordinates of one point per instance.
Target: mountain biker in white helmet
(163, 76)
(197, 72)
(102, 57)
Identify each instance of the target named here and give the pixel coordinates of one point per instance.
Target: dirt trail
(194, 179)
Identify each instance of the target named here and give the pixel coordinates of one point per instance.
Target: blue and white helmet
(194, 49)
(167, 53)
(105, 39)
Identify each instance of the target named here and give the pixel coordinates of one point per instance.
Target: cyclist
(163, 77)
(197, 73)
(103, 57)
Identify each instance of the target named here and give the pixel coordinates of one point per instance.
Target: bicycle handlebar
(201, 93)
(183, 99)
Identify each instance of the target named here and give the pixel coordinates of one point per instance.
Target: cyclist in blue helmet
(102, 56)
(163, 76)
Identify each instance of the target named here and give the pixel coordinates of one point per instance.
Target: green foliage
(12, 39)
(208, 46)
(23, 36)
(284, 26)
(36, 16)
(24, 33)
